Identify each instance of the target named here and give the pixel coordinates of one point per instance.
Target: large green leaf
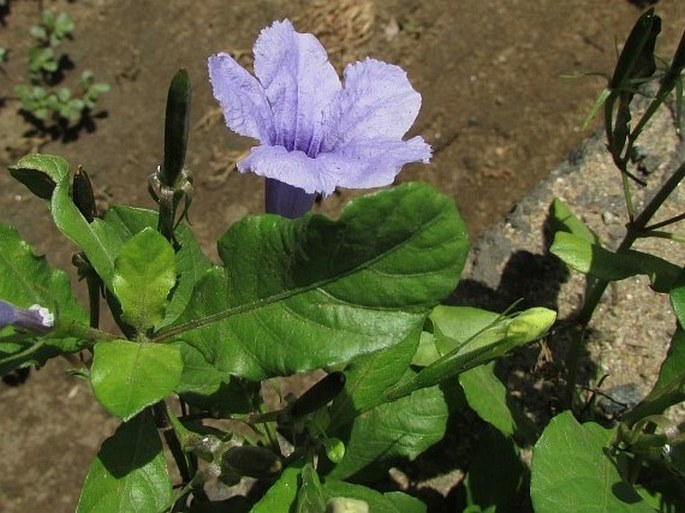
(129, 473)
(592, 259)
(669, 388)
(191, 263)
(400, 429)
(301, 294)
(572, 471)
(128, 376)
(144, 273)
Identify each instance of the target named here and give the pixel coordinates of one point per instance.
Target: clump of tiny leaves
(355, 299)
(51, 106)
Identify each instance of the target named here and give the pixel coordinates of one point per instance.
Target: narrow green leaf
(129, 473)
(40, 173)
(402, 428)
(302, 294)
(601, 263)
(572, 471)
(669, 388)
(128, 376)
(562, 218)
(144, 273)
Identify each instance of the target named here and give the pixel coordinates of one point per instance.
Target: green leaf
(129, 473)
(677, 296)
(572, 471)
(669, 388)
(26, 279)
(202, 386)
(282, 493)
(488, 397)
(601, 263)
(405, 503)
(346, 497)
(403, 428)
(302, 294)
(128, 376)
(637, 57)
(40, 173)
(97, 239)
(191, 264)
(495, 474)
(563, 219)
(144, 273)
(368, 376)
(310, 497)
(467, 337)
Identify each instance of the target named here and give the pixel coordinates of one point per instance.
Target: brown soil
(495, 110)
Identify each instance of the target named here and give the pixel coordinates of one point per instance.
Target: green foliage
(50, 105)
(129, 472)
(589, 478)
(357, 298)
(290, 285)
(128, 376)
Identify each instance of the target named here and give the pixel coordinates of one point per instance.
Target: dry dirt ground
(495, 110)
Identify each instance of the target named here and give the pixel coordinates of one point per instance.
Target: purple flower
(35, 318)
(316, 134)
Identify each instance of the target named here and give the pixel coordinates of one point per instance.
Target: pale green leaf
(144, 273)
(128, 376)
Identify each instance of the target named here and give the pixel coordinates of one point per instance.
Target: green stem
(675, 237)
(76, 329)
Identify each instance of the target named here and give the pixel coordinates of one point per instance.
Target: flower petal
(373, 162)
(377, 101)
(286, 200)
(242, 99)
(299, 83)
(292, 167)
